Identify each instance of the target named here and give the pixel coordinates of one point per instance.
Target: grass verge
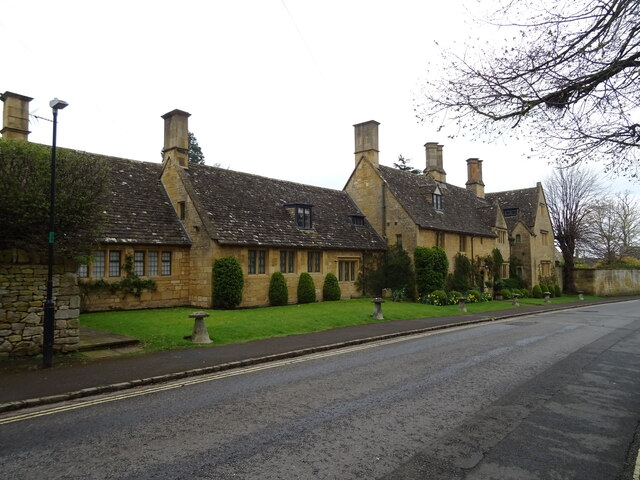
(164, 329)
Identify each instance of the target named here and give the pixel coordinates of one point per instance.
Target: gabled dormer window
(436, 199)
(510, 212)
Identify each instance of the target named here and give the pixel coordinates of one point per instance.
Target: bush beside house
(228, 282)
(278, 290)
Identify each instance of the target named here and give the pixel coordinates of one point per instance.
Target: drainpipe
(384, 211)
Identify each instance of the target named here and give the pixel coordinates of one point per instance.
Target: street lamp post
(49, 305)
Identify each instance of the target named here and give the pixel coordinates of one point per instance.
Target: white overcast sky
(273, 86)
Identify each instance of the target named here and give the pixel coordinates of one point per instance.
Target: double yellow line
(205, 378)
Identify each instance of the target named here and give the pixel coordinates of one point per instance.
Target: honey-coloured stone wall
(23, 290)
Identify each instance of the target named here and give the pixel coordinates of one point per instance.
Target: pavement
(110, 363)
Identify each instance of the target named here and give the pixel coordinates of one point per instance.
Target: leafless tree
(613, 227)
(603, 236)
(568, 77)
(628, 213)
(570, 193)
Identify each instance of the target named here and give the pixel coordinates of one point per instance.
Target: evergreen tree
(403, 164)
(195, 152)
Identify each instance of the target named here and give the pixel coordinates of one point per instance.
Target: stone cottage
(423, 209)
(170, 221)
(530, 232)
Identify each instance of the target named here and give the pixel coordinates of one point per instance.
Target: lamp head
(58, 104)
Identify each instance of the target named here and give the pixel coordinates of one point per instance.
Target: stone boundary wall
(607, 283)
(23, 289)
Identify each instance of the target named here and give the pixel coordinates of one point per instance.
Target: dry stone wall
(22, 293)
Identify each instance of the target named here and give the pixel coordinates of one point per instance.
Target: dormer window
(510, 212)
(303, 216)
(436, 199)
(357, 220)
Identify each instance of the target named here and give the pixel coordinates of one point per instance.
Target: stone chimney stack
(15, 116)
(474, 175)
(434, 162)
(176, 138)
(366, 136)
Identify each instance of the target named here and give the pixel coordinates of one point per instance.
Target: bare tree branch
(569, 78)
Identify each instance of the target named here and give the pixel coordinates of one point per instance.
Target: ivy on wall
(131, 284)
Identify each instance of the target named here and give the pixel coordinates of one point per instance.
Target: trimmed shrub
(557, 291)
(306, 289)
(228, 282)
(438, 297)
(331, 288)
(474, 296)
(506, 294)
(431, 266)
(461, 273)
(524, 293)
(544, 288)
(454, 296)
(537, 291)
(278, 290)
(496, 265)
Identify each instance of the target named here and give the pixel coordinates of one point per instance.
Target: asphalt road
(551, 396)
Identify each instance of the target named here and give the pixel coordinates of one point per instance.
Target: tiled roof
(245, 209)
(462, 211)
(525, 200)
(139, 211)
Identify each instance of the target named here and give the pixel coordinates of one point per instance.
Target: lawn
(163, 329)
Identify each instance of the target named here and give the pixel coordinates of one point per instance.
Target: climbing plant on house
(131, 284)
(431, 265)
